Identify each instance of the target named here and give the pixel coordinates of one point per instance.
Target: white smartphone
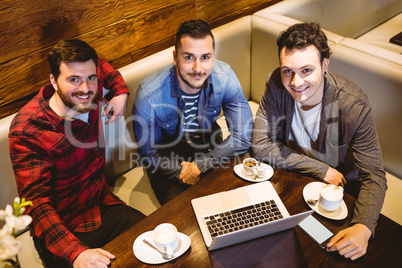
(316, 231)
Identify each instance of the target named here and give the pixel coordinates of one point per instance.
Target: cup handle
(169, 251)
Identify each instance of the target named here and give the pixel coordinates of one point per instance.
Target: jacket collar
(329, 113)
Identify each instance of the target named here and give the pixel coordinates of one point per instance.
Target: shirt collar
(45, 94)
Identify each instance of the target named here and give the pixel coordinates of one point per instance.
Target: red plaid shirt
(59, 166)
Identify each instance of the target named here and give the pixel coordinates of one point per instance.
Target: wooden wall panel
(121, 31)
(27, 25)
(210, 10)
(20, 78)
(136, 32)
(133, 8)
(217, 13)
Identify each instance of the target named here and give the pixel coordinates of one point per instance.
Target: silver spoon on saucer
(164, 255)
(312, 202)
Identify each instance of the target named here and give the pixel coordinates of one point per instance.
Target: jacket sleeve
(148, 135)
(368, 161)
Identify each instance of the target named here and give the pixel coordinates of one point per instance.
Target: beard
(81, 108)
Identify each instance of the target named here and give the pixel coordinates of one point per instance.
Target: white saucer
(312, 191)
(238, 169)
(145, 253)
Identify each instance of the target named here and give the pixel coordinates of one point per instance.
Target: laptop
(242, 214)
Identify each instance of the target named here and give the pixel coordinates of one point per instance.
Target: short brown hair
(302, 35)
(70, 50)
(197, 29)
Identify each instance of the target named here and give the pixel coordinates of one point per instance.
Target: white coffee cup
(166, 238)
(330, 197)
(249, 166)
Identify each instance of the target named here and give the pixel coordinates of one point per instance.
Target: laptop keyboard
(242, 218)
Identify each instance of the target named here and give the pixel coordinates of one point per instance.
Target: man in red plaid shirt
(58, 156)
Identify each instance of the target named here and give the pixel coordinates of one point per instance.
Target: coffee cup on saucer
(330, 197)
(249, 166)
(166, 238)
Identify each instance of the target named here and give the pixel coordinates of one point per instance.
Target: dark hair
(197, 29)
(302, 35)
(70, 50)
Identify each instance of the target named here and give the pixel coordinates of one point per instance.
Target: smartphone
(316, 231)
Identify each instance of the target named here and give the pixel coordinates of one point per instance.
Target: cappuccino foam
(165, 236)
(332, 193)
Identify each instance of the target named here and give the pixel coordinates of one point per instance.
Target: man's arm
(112, 80)
(239, 119)
(352, 242)
(334, 177)
(190, 173)
(148, 136)
(368, 161)
(32, 167)
(96, 257)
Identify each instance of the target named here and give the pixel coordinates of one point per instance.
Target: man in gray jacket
(319, 124)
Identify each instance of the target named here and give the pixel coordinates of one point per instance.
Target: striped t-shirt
(190, 111)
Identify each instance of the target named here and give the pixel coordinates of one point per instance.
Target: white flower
(9, 247)
(15, 222)
(17, 200)
(6, 213)
(18, 223)
(5, 231)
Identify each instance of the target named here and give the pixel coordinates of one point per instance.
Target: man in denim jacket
(176, 109)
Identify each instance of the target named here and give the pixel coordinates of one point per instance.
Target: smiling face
(194, 59)
(76, 88)
(302, 74)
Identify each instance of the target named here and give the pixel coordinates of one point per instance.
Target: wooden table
(291, 248)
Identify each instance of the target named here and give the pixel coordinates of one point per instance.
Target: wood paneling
(30, 25)
(136, 32)
(133, 8)
(210, 10)
(121, 31)
(20, 78)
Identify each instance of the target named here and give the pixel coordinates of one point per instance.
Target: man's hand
(352, 242)
(116, 108)
(190, 173)
(94, 257)
(333, 176)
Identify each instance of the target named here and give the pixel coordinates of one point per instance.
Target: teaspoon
(312, 201)
(164, 255)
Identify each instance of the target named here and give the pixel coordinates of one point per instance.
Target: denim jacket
(158, 123)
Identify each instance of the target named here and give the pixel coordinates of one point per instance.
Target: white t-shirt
(305, 128)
